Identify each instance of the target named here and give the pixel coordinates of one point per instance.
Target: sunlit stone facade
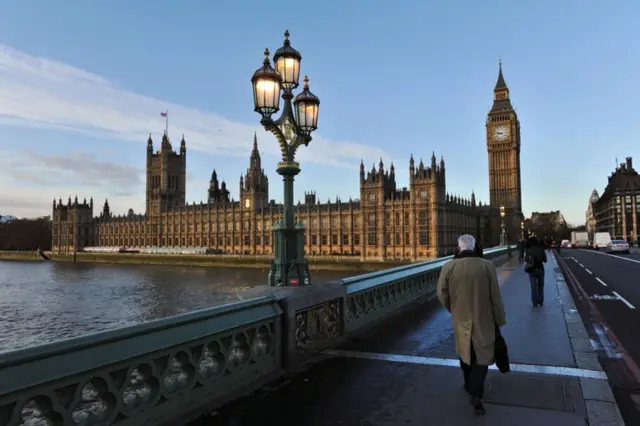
(385, 222)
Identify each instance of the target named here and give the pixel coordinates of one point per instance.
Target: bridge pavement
(406, 373)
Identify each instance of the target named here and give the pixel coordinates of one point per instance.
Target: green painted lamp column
(502, 230)
(292, 129)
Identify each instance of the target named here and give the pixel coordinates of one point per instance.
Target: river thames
(42, 302)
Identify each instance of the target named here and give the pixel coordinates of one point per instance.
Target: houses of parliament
(386, 222)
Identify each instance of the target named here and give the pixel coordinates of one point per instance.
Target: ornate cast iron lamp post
(502, 230)
(292, 129)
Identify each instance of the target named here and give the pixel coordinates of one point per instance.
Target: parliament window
(422, 238)
(422, 218)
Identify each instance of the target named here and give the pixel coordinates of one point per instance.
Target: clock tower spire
(503, 148)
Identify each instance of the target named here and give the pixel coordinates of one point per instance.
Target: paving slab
(344, 391)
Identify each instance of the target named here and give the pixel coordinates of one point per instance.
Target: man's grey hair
(466, 242)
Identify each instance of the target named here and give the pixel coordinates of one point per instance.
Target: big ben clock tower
(503, 147)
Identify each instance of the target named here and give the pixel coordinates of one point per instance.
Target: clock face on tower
(500, 133)
(247, 203)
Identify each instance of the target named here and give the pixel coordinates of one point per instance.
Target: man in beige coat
(468, 288)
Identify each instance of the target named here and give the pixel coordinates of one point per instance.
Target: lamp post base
(285, 270)
(289, 266)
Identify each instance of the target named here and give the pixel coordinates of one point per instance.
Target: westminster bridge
(370, 349)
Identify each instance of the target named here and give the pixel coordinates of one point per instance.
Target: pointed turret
(165, 145)
(183, 145)
(501, 91)
(255, 160)
(105, 209)
(500, 84)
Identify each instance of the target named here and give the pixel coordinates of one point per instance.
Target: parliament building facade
(386, 222)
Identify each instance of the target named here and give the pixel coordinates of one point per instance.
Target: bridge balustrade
(174, 369)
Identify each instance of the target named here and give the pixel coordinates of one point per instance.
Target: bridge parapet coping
(179, 367)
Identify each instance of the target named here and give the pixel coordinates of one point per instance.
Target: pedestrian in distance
(534, 266)
(468, 288)
(521, 247)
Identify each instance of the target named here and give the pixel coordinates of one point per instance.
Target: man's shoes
(478, 406)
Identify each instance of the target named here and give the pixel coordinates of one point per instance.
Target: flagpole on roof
(166, 127)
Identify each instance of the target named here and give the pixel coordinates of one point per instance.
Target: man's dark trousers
(474, 375)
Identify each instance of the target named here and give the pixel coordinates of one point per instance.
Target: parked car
(618, 246)
(565, 243)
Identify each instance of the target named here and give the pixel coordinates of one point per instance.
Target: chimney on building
(629, 163)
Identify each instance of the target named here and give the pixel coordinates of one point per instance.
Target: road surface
(606, 289)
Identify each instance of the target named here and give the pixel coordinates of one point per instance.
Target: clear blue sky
(82, 85)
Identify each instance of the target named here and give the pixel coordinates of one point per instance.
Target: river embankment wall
(318, 263)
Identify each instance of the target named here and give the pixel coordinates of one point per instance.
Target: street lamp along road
(292, 129)
(502, 230)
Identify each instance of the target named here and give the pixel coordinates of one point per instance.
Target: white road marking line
(446, 362)
(581, 265)
(623, 300)
(613, 255)
(590, 273)
(605, 343)
(601, 282)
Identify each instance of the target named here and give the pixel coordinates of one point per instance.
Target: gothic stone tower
(254, 186)
(166, 176)
(503, 147)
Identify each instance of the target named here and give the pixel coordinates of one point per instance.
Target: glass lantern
(287, 63)
(307, 106)
(266, 88)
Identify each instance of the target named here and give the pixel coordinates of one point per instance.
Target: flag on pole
(165, 114)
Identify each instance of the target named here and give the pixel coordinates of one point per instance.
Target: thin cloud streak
(43, 93)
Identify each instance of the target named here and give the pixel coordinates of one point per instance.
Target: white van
(601, 240)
